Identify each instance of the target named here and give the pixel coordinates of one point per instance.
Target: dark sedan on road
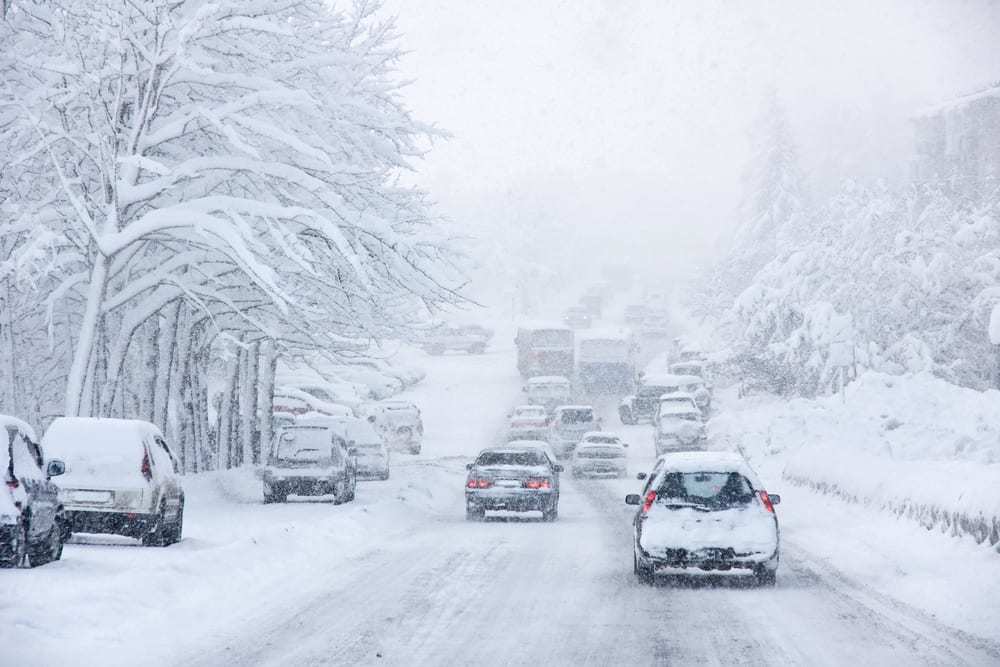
(516, 479)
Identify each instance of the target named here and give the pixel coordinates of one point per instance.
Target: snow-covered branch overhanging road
(399, 577)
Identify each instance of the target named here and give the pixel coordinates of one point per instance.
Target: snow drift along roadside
(912, 445)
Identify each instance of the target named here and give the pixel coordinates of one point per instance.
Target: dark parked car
(310, 458)
(516, 479)
(32, 524)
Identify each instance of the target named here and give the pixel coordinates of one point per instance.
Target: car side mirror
(468, 466)
(55, 468)
(633, 499)
(558, 468)
(641, 476)
(775, 498)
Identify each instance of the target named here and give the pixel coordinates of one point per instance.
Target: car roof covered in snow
(600, 434)
(8, 422)
(350, 428)
(573, 407)
(522, 444)
(677, 408)
(548, 379)
(676, 397)
(96, 434)
(711, 461)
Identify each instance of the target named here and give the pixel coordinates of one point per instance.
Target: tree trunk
(248, 406)
(265, 400)
(227, 407)
(88, 333)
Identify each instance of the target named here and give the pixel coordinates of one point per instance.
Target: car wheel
(353, 488)
(385, 474)
(474, 513)
(48, 550)
(551, 514)
(177, 529)
(765, 577)
(644, 573)
(15, 553)
(157, 537)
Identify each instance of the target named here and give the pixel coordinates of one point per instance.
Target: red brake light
(146, 468)
(764, 498)
(537, 484)
(13, 484)
(650, 499)
(474, 483)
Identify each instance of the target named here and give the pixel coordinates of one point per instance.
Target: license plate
(508, 483)
(91, 496)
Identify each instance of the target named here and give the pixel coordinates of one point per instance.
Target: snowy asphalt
(400, 577)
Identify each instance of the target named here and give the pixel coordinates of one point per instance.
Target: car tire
(274, 494)
(50, 549)
(385, 474)
(643, 573)
(765, 577)
(19, 550)
(177, 528)
(158, 536)
(474, 513)
(551, 514)
(353, 493)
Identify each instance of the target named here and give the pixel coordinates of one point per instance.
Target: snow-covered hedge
(913, 445)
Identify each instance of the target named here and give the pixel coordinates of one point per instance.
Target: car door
(43, 495)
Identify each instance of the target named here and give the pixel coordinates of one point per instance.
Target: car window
(511, 459)
(717, 490)
(582, 416)
(25, 456)
(304, 443)
(162, 444)
(601, 453)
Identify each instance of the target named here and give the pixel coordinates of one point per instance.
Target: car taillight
(650, 499)
(764, 498)
(537, 484)
(146, 469)
(478, 484)
(13, 484)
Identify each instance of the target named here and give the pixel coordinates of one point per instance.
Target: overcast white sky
(627, 119)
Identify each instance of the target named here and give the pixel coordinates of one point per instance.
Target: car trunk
(747, 529)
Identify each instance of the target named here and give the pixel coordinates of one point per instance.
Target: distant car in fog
(679, 428)
(514, 479)
(471, 338)
(399, 422)
(528, 422)
(641, 406)
(600, 454)
(704, 513)
(577, 317)
(548, 391)
(568, 425)
(544, 348)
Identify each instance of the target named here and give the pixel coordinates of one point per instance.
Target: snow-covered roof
(519, 444)
(669, 379)
(711, 461)
(96, 434)
(573, 407)
(600, 434)
(8, 422)
(677, 397)
(548, 379)
(671, 408)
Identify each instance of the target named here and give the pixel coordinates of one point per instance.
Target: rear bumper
(512, 500)
(129, 524)
(303, 486)
(720, 559)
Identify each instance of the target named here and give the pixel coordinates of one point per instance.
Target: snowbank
(913, 445)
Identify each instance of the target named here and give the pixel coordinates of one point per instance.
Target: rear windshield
(601, 453)
(511, 459)
(581, 416)
(603, 439)
(685, 416)
(717, 490)
(305, 443)
(654, 391)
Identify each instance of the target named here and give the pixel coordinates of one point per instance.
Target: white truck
(606, 361)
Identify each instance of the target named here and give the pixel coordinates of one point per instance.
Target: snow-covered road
(399, 577)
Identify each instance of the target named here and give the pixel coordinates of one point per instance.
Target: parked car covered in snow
(32, 522)
(309, 458)
(675, 398)
(599, 454)
(121, 477)
(704, 512)
(300, 399)
(548, 391)
(364, 442)
(515, 479)
(568, 425)
(678, 428)
(471, 338)
(399, 422)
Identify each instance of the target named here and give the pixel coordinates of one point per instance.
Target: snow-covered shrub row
(914, 445)
(191, 190)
